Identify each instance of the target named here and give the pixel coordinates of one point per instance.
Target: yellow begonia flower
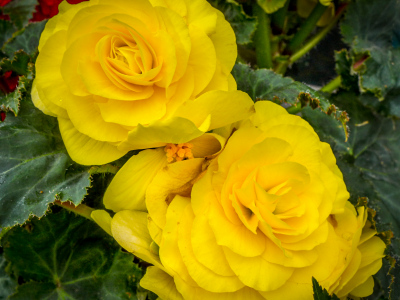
(122, 75)
(305, 7)
(255, 220)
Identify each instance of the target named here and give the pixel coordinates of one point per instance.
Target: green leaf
(370, 163)
(26, 39)
(243, 25)
(10, 102)
(263, 84)
(19, 64)
(35, 168)
(7, 29)
(64, 256)
(320, 294)
(343, 68)
(20, 12)
(370, 28)
(7, 284)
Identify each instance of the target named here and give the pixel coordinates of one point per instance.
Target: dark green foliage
(7, 284)
(20, 12)
(320, 294)
(27, 40)
(69, 258)
(35, 167)
(371, 28)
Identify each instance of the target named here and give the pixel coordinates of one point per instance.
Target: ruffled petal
(159, 282)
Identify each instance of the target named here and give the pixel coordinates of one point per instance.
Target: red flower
(48, 8)
(4, 2)
(8, 82)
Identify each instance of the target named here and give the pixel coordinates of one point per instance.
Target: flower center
(178, 152)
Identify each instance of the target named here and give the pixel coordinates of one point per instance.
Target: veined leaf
(35, 168)
(69, 258)
(371, 28)
(264, 84)
(7, 29)
(26, 39)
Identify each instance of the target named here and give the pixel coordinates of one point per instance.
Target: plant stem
(262, 38)
(281, 67)
(332, 85)
(103, 169)
(307, 27)
(81, 209)
(318, 37)
(278, 18)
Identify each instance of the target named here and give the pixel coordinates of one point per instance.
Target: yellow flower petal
(37, 101)
(224, 40)
(160, 283)
(169, 249)
(214, 103)
(85, 150)
(168, 182)
(205, 248)
(87, 118)
(203, 276)
(129, 228)
(191, 292)
(365, 289)
(174, 130)
(131, 113)
(103, 219)
(202, 59)
(236, 237)
(128, 188)
(258, 273)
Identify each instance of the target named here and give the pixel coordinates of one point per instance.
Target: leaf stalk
(82, 209)
(307, 27)
(262, 38)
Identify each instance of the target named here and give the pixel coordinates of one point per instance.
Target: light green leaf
(35, 168)
(69, 257)
(271, 6)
